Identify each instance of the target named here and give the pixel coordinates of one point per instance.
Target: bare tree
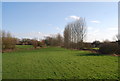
(75, 33)
(56, 40)
(59, 39)
(67, 36)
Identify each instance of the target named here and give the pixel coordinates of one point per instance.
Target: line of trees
(75, 33)
(56, 40)
(24, 41)
(34, 42)
(73, 37)
(10, 42)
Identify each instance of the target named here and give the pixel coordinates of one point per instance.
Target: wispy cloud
(113, 28)
(101, 34)
(72, 17)
(57, 28)
(95, 21)
(31, 35)
(89, 28)
(49, 24)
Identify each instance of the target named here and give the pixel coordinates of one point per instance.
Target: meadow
(57, 63)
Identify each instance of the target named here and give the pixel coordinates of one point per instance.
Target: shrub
(108, 48)
(40, 44)
(87, 45)
(96, 43)
(118, 50)
(35, 43)
(25, 41)
(83, 45)
(8, 42)
(80, 45)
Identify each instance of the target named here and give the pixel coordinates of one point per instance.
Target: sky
(59, 0)
(39, 19)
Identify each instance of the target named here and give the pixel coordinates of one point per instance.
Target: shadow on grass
(89, 54)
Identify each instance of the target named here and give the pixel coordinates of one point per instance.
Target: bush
(96, 43)
(40, 44)
(8, 42)
(25, 41)
(108, 48)
(35, 43)
(87, 45)
(118, 50)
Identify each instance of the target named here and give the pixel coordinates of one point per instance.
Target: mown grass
(95, 48)
(24, 46)
(58, 63)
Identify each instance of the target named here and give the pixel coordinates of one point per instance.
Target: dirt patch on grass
(115, 54)
(7, 50)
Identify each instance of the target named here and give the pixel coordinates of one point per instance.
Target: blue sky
(39, 19)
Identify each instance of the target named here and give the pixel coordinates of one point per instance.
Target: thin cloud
(31, 35)
(49, 24)
(90, 28)
(101, 34)
(95, 21)
(113, 29)
(60, 31)
(57, 28)
(72, 17)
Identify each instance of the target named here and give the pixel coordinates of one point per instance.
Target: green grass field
(58, 63)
